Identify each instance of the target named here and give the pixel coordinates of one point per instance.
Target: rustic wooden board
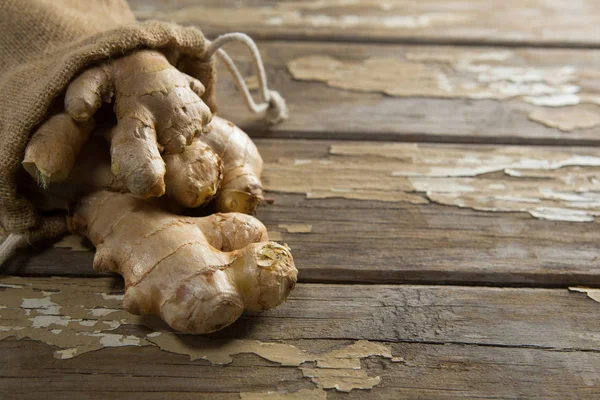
(429, 371)
(439, 342)
(527, 22)
(436, 93)
(515, 317)
(361, 224)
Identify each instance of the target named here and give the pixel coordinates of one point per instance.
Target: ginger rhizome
(164, 140)
(158, 108)
(122, 184)
(53, 148)
(197, 274)
(222, 163)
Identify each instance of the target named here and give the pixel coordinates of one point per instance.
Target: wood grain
(447, 341)
(321, 111)
(553, 319)
(527, 22)
(396, 241)
(429, 371)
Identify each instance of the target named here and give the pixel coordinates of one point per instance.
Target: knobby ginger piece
(197, 274)
(241, 188)
(158, 109)
(194, 176)
(53, 148)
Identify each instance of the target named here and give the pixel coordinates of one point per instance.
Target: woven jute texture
(44, 44)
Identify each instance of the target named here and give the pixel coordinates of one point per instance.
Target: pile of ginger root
(127, 186)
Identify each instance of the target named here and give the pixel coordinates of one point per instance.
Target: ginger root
(241, 188)
(197, 274)
(158, 108)
(165, 152)
(164, 140)
(222, 163)
(53, 148)
(194, 176)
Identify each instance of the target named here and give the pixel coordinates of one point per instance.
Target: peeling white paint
(117, 297)
(354, 21)
(4, 285)
(301, 162)
(554, 100)
(340, 368)
(43, 302)
(10, 328)
(312, 14)
(302, 394)
(561, 214)
(593, 294)
(567, 119)
(44, 321)
(101, 312)
(484, 75)
(114, 340)
(547, 183)
(65, 353)
(60, 318)
(424, 74)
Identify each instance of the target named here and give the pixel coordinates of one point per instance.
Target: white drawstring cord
(273, 103)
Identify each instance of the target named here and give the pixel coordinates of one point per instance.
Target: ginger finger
(158, 97)
(135, 158)
(146, 78)
(172, 270)
(196, 68)
(194, 176)
(53, 148)
(87, 92)
(196, 86)
(241, 188)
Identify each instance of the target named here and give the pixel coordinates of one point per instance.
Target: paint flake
(296, 228)
(303, 394)
(567, 119)
(80, 329)
(547, 183)
(593, 294)
(275, 236)
(422, 75)
(344, 367)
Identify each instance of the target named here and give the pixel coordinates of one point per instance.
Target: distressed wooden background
(438, 183)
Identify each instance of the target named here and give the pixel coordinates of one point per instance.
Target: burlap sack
(43, 45)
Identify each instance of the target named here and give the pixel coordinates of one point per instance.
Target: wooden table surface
(438, 182)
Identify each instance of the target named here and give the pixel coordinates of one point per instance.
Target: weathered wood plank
(428, 371)
(527, 22)
(362, 224)
(511, 317)
(417, 93)
(424, 341)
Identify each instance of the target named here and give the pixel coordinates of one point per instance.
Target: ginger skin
(163, 141)
(197, 274)
(165, 152)
(241, 188)
(194, 176)
(158, 108)
(222, 163)
(59, 135)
